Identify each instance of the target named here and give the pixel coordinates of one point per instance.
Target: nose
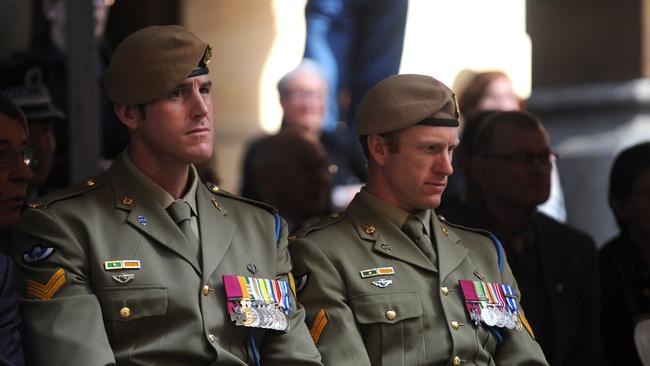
(444, 164)
(201, 103)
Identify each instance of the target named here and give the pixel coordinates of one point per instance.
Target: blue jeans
(357, 43)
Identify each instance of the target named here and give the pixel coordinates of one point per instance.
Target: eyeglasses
(8, 156)
(546, 157)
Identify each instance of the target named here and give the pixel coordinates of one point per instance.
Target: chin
(200, 155)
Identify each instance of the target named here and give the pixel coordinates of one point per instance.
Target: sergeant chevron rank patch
(320, 322)
(46, 291)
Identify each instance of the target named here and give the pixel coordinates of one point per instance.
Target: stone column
(590, 86)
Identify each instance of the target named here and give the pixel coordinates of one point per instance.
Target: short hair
(305, 66)
(10, 109)
(628, 167)
(485, 133)
(392, 139)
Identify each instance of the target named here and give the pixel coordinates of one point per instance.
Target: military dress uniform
(412, 314)
(108, 277)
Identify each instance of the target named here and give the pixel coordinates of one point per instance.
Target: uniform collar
(394, 214)
(156, 192)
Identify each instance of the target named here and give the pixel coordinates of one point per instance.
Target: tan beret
(401, 101)
(149, 63)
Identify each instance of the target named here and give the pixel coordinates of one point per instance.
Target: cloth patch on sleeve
(37, 254)
(46, 291)
(318, 326)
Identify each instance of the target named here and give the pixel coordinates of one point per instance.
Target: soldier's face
(178, 129)
(14, 174)
(416, 173)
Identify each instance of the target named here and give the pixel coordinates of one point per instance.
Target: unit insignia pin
(382, 283)
(123, 278)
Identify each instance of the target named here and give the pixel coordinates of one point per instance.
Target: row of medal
(494, 304)
(258, 302)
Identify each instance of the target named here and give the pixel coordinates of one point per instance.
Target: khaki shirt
(115, 283)
(414, 314)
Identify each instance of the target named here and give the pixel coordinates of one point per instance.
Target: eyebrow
(188, 84)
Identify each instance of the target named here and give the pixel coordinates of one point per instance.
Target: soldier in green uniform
(145, 264)
(388, 282)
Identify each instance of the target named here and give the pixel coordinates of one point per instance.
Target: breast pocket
(133, 316)
(391, 326)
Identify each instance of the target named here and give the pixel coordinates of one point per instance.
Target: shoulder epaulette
(492, 237)
(87, 185)
(324, 222)
(215, 189)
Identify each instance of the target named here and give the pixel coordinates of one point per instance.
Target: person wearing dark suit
(15, 176)
(146, 264)
(554, 264)
(625, 259)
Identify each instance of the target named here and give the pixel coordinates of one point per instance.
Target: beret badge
(205, 60)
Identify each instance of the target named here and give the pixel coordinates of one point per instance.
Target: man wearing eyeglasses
(509, 173)
(15, 175)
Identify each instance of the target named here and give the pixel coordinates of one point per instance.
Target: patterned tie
(415, 230)
(181, 213)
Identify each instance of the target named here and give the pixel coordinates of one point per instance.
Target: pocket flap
(127, 304)
(387, 307)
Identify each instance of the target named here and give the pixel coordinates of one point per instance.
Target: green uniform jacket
(411, 321)
(170, 312)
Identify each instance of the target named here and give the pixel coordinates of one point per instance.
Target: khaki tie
(415, 230)
(181, 213)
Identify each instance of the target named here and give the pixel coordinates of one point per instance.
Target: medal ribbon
(488, 291)
(494, 288)
(510, 298)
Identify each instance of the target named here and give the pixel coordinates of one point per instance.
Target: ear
(378, 149)
(128, 114)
